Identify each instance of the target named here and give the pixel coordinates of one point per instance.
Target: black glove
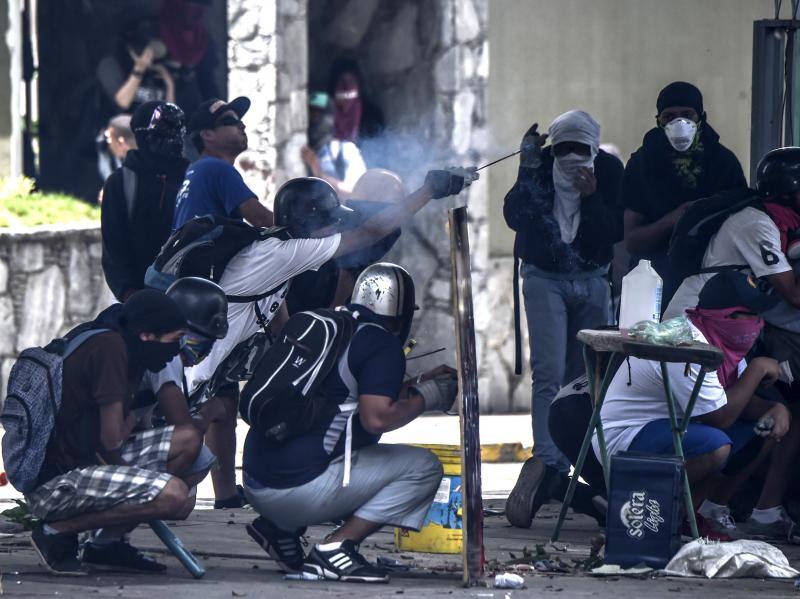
(531, 146)
(450, 181)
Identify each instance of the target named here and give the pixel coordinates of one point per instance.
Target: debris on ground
(20, 515)
(508, 580)
(615, 570)
(736, 559)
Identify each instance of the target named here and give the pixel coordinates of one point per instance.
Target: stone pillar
(267, 56)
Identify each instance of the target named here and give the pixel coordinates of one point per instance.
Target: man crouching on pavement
(95, 474)
(300, 481)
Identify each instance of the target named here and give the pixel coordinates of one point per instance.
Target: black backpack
(202, 247)
(282, 399)
(700, 223)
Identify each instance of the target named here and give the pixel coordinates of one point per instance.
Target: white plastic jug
(641, 296)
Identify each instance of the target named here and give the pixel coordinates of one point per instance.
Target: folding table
(618, 346)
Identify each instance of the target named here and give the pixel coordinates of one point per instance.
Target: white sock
(49, 530)
(766, 516)
(330, 546)
(709, 509)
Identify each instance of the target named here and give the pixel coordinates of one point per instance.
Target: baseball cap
(318, 100)
(731, 289)
(209, 111)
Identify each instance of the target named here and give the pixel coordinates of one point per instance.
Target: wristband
(137, 74)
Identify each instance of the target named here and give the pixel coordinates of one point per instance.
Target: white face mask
(680, 133)
(570, 163)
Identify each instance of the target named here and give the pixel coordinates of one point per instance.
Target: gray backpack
(32, 403)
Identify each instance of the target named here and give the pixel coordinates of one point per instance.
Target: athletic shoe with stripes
(343, 562)
(284, 547)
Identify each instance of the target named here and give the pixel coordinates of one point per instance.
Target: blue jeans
(556, 309)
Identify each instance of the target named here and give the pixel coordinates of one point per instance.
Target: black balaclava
(150, 311)
(159, 128)
(680, 93)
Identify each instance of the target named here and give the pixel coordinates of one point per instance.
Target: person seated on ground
(721, 436)
(163, 394)
(212, 184)
(332, 284)
(299, 482)
(564, 210)
(681, 160)
(337, 161)
(139, 198)
(95, 474)
(264, 268)
(114, 143)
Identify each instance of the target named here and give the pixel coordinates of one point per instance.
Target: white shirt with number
(628, 408)
(261, 266)
(748, 238)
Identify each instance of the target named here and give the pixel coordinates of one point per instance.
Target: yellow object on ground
(441, 532)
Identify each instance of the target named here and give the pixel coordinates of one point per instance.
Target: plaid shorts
(98, 488)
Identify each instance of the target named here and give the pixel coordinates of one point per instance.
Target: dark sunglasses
(228, 121)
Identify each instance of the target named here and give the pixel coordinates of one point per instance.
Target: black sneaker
(284, 547)
(231, 503)
(119, 555)
(58, 552)
(343, 562)
(530, 493)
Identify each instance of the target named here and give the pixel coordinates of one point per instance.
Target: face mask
(734, 336)
(194, 348)
(152, 355)
(570, 163)
(680, 132)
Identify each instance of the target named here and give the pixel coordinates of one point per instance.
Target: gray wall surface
(5, 93)
(611, 58)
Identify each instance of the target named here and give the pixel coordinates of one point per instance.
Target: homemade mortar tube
(174, 544)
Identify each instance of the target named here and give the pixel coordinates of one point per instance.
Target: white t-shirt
(261, 266)
(627, 409)
(171, 373)
(748, 237)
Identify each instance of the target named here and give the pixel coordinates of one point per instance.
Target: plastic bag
(675, 331)
(737, 559)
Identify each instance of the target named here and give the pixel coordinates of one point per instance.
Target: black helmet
(307, 204)
(204, 305)
(778, 172)
(159, 129)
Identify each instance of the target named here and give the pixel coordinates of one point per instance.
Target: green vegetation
(21, 206)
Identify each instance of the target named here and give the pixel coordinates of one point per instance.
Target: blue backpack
(32, 403)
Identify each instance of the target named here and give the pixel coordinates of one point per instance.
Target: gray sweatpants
(389, 484)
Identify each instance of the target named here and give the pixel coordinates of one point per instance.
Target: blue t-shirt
(211, 186)
(376, 360)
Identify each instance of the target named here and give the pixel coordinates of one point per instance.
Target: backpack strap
(129, 188)
(78, 340)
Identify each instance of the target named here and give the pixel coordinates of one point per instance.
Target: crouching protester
(337, 470)
(721, 444)
(95, 474)
(163, 398)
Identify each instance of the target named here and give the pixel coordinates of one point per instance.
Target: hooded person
(96, 473)
(681, 160)
(563, 208)
(139, 197)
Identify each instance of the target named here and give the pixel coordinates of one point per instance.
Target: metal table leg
(678, 430)
(614, 363)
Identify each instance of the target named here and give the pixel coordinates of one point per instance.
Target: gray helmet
(387, 290)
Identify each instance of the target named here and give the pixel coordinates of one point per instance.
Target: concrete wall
(5, 93)
(611, 57)
(50, 280)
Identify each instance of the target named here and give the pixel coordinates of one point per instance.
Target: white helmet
(387, 289)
